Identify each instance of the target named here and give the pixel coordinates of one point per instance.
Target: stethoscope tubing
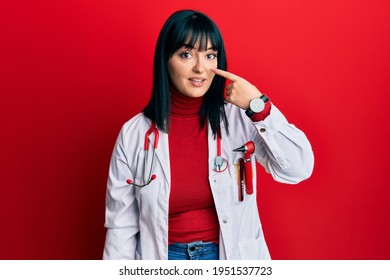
(220, 163)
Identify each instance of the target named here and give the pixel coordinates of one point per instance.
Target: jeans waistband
(197, 250)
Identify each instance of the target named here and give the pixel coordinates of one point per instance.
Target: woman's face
(190, 70)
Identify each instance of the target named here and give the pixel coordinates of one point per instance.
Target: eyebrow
(188, 46)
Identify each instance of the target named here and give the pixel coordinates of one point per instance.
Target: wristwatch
(256, 105)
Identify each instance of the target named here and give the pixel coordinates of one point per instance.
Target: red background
(72, 72)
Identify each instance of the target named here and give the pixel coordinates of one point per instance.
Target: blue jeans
(193, 251)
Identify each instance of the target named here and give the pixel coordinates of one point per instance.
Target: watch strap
(249, 113)
(264, 98)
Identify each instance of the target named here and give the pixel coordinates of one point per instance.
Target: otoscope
(248, 148)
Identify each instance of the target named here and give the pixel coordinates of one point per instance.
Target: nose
(199, 65)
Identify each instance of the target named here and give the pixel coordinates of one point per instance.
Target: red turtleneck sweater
(192, 214)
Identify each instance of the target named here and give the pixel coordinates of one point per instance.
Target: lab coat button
(262, 129)
(224, 221)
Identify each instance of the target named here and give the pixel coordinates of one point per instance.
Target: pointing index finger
(226, 74)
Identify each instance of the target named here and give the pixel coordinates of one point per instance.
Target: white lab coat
(137, 218)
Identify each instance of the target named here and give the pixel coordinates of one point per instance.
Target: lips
(197, 81)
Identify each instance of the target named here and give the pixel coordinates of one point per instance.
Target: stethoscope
(220, 163)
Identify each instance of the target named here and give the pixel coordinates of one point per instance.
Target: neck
(184, 106)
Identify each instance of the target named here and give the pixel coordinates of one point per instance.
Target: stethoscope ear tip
(153, 177)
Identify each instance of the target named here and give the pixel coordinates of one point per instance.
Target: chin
(199, 94)
(196, 93)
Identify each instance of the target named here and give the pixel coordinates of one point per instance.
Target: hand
(239, 92)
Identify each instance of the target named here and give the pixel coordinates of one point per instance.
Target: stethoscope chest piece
(220, 164)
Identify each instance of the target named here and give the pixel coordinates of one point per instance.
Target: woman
(176, 189)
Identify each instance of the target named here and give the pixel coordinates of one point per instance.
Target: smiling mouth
(197, 82)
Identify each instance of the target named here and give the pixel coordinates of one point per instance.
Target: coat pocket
(254, 249)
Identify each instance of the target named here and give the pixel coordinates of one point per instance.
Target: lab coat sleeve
(121, 207)
(282, 149)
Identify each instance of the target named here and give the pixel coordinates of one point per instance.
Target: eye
(212, 56)
(185, 55)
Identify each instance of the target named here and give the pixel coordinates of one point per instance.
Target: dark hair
(187, 27)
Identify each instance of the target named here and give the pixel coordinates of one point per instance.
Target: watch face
(257, 105)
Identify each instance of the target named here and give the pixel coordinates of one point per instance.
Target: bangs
(196, 32)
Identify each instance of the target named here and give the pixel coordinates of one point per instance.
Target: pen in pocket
(241, 185)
